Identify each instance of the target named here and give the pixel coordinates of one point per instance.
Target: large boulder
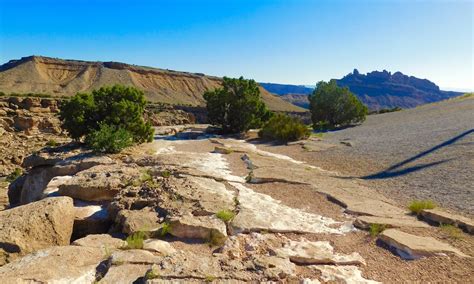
(198, 227)
(99, 183)
(131, 221)
(62, 264)
(38, 225)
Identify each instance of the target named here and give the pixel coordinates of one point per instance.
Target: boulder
(439, 216)
(99, 183)
(132, 221)
(125, 273)
(207, 228)
(307, 252)
(38, 225)
(409, 246)
(62, 264)
(103, 241)
(23, 123)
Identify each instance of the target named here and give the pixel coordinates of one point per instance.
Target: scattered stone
(207, 228)
(62, 264)
(103, 241)
(410, 246)
(441, 217)
(155, 245)
(342, 274)
(364, 222)
(306, 252)
(38, 225)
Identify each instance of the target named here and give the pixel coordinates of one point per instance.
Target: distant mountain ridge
(377, 89)
(60, 77)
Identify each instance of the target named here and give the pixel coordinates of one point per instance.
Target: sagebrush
(284, 128)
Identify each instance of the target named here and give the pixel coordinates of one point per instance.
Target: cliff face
(386, 90)
(59, 77)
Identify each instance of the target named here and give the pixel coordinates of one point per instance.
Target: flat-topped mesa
(60, 77)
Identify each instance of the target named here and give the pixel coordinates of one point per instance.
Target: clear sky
(298, 42)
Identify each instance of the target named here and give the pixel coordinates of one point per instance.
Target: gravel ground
(421, 153)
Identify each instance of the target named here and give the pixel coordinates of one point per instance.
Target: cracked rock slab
(125, 273)
(103, 241)
(364, 222)
(261, 212)
(306, 252)
(441, 217)
(197, 227)
(409, 246)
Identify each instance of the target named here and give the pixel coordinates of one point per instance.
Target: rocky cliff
(58, 77)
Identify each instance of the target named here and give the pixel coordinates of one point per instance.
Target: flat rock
(198, 227)
(125, 273)
(103, 241)
(342, 274)
(37, 225)
(317, 146)
(99, 183)
(442, 217)
(306, 252)
(274, 267)
(62, 264)
(364, 222)
(277, 217)
(134, 256)
(412, 247)
(132, 221)
(159, 246)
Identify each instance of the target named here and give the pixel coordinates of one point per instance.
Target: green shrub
(333, 106)
(284, 128)
(237, 106)
(52, 143)
(376, 229)
(225, 215)
(165, 229)
(416, 206)
(117, 106)
(109, 139)
(452, 231)
(14, 175)
(166, 174)
(135, 240)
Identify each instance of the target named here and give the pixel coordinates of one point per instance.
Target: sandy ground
(421, 153)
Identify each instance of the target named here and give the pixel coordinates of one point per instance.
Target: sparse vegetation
(165, 229)
(333, 106)
(135, 240)
(52, 143)
(151, 274)
(166, 174)
(416, 206)
(114, 113)
(14, 175)
(210, 278)
(237, 106)
(284, 128)
(385, 110)
(216, 238)
(452, 231)
(225, 215)
(376, 229)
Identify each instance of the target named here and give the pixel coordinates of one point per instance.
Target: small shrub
(452, 231)
(165, 229)
(376, 229)
(166, 174)
(225, 215)
(216, 238)
(52, 143)
(151, 274)
(14, 175)
(135, 240)
(416, 206)
(109, 139)
(332, 106)
(210, 278)
(284, 128)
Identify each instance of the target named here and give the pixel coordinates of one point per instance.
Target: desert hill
(59, 77)
(376, 89)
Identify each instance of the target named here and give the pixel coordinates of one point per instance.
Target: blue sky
(298, 42)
